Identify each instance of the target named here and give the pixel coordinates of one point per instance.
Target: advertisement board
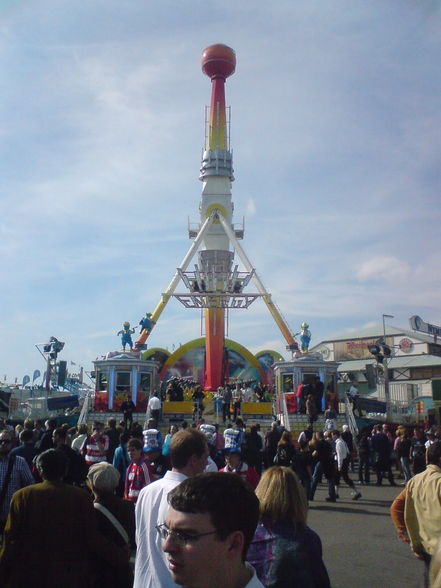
(356, 349)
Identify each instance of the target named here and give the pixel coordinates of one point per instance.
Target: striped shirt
(94, 450)
(21, 476)
(138, 475)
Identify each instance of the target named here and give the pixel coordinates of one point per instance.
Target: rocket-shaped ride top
(214, 285)
(218, 63)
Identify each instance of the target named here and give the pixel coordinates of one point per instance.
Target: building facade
(413, 367)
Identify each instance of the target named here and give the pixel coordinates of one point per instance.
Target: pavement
(360, 545)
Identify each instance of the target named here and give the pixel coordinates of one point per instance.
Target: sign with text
(417, 324)
(357, 349)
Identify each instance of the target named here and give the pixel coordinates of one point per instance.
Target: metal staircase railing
(285, 416)
(85, 408)
(350, 418)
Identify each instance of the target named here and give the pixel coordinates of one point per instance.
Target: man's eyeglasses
(180, 537)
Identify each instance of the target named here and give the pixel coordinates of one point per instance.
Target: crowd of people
(227, 400)
(129, 507)
(199, 505)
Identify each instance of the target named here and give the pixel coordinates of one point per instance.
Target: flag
(36, 375)
(26, 380)
(72, 363)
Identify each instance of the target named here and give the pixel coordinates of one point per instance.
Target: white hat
(152, 440)
(208, 431)
(232, 440)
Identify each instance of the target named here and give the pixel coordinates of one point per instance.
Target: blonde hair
(282, 498)
(285, 439)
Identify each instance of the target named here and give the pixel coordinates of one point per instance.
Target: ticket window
(123, 382)
(102, 382)
(287, 383)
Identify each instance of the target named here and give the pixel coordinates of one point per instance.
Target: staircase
(299, 422)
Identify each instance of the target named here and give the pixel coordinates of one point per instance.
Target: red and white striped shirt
(95, 450)
(138, 475)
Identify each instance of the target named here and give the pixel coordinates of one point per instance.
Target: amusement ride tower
(215, 284)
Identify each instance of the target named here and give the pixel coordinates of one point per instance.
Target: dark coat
(253, 449)
(49, 538)
(286, 555)
(115, 576)
(325, 457)
(77, 470)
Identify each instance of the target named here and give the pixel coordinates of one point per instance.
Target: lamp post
(386, 371)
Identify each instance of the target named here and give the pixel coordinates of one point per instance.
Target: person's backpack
(282, 457)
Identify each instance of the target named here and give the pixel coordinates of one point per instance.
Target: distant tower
(215, 285)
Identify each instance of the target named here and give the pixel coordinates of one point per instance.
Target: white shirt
(151, 567)
(341, 451)
(154, 403)
(237, 395)
(211, 465)
(353, 391)
(302, 437)
(254, 582)
(248, 395)
(78, 442)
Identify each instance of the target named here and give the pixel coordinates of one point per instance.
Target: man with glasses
(188, 457)
(14, 474)
(207, 531)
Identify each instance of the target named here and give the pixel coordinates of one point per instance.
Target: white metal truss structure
(217, 284)
(217, 287)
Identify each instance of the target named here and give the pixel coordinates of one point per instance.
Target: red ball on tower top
(218, 60)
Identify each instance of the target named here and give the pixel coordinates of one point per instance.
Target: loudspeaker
(62, 370)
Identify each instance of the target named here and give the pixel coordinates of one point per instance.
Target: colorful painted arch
(189, 362)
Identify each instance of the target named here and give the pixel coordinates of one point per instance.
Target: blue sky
(335, 131)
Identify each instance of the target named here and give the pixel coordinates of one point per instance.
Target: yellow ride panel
(185, 407)
(264, 408)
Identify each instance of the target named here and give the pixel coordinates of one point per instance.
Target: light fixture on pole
(384, 324)
(386, 368)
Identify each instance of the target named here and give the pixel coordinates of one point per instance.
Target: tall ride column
(215, 260)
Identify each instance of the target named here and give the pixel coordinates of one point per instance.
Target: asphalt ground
(360, 545)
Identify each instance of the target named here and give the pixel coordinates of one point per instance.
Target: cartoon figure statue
(146, 322)
(126, 333)
(305, 337)
(146, 326)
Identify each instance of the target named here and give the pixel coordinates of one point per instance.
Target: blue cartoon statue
(146, 322)
(126, 335)
(305, 337)
(146, 326)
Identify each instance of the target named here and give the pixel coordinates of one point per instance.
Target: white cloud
(383, 268)
(251, 207)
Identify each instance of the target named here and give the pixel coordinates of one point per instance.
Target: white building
(414, 367)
